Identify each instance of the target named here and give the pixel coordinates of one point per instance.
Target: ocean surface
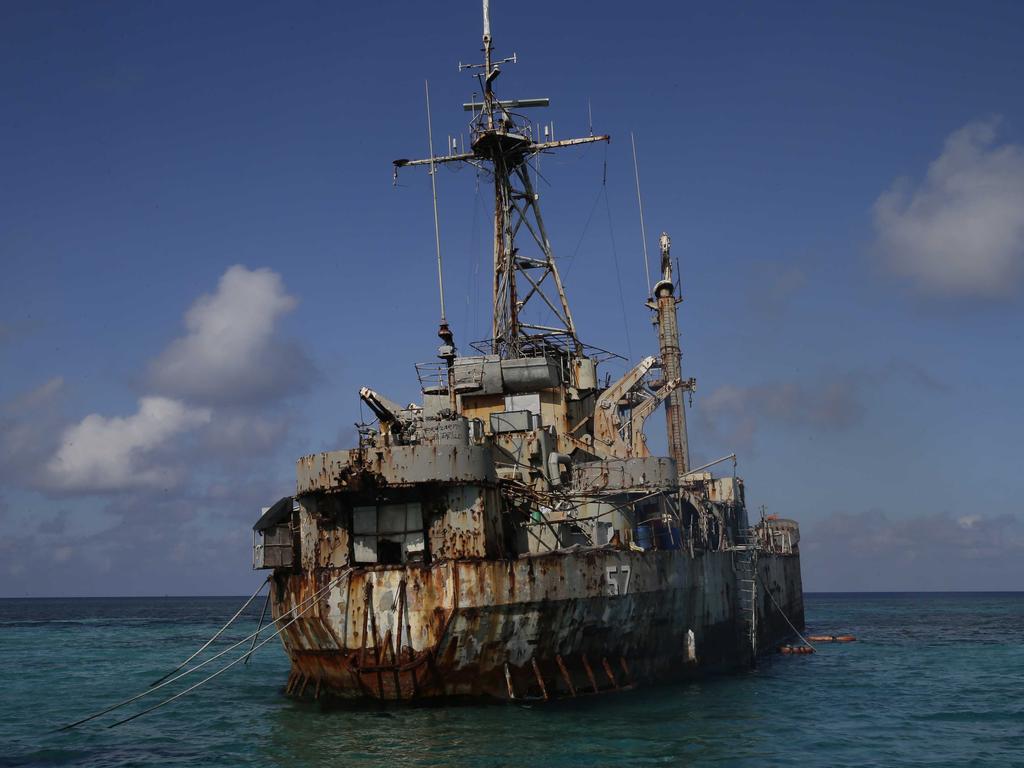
(933, 679)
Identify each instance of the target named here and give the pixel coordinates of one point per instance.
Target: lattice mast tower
(525, 273)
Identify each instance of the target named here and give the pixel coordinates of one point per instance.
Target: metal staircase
(745, 564)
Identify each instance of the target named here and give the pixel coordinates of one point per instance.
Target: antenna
(501, 142)
(433, 189)
(640, 203)
(488, 77)
(447, 349)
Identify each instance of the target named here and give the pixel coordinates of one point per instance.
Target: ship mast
(664, 304)
(525, 273)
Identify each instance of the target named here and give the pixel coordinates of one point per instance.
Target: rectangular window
(388, 533)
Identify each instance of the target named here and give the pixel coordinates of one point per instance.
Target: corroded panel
(332, 547)
(399, 465)
(451, 629)
(652, 472)
(459, 530)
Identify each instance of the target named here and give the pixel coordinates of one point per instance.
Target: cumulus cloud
(185, 472)
(960, 232)
(28, 424)
(231, 352)
(216, 397)
(113, 454)
(873, 550)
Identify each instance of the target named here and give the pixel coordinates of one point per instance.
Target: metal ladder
(745, 563)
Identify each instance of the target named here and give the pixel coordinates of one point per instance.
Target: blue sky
(204, 258)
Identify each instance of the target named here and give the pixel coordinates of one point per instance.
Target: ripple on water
(932, 680)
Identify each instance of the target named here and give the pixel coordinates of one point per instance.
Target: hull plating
(546, 626)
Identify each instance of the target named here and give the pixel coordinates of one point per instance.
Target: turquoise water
(934, 679)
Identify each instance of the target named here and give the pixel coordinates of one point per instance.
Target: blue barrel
(644, 537)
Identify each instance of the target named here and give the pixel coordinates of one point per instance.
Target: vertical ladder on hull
(745, 563)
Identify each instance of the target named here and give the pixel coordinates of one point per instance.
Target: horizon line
(820, 592)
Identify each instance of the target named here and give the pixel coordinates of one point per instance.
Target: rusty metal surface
(452, 629)
(668, 347)
(650, 473)
(395, 465)
(779, 536)
(539, 550)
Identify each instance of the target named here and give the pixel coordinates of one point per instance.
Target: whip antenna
(433, 189)
(640, 204)
(447, 349)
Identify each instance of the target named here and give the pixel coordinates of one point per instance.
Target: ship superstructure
(510, 535)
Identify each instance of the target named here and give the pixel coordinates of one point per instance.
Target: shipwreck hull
(540, 627)
(509, 534)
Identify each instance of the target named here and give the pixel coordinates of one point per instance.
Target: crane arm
(384, 409)
(646, 408)
(606, 422)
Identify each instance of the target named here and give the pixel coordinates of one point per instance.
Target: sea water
(933, 679)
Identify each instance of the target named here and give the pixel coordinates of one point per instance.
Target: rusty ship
(510, 536)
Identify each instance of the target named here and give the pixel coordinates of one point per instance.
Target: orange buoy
(845, 639)
(831, 638)
(795, 649)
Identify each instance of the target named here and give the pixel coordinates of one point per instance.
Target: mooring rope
(217, 634)
(798, 634)
(229, 666)
(259, 626)
(311, 599)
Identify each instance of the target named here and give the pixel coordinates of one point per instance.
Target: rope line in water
(216, 634)
(798, 634)
(259, 626)
(229, 666)
(315, 596)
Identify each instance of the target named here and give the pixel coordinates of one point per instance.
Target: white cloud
(112, 454)
(215, 399)
(231, 353)
(960, 232)
(29, 423)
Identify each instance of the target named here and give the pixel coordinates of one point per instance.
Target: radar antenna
(525, 273)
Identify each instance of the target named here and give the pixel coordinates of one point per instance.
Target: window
(388, 533)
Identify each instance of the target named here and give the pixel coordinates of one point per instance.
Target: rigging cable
(311, 600)
(640, 205)
(433, 189)
(603, 192)
(473, 289)
(615, 257)
(259, 627)
(216, 634)
(229, 666)
(583, 234)
(775, 602)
